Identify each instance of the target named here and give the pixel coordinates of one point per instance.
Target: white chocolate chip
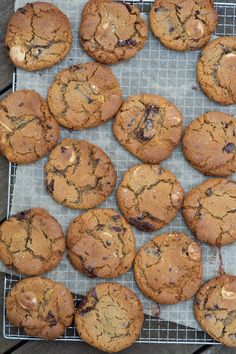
(17, 53)
(73, 157)
(228, 292)
(194, 252)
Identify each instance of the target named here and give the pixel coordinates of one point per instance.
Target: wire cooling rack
(155, 330)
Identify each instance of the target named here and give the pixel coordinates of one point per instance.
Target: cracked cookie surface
(111, 31)
(148, 126)
(38, 36)
(27, 129)
(149, 196)
(101, 243)
(216, 68)
(42, 307)
(215, 309)
(209, 210)
(31, 242)
(168, 269)
(209, 144)
(183, 24)
(79, 175)
(84, 96)
(110, 317)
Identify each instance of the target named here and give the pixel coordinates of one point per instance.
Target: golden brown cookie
(168, 269)
(148, 126)
(209, 211)
(101, 244)
(79, 175)
(216, 69)
(38, 36)
(149, 196)
(31, 242)
(84, 96)
(183, 24)
(209, 144)
(215, 309)
(111, 31)
(27, 130)
(110, 317)
(41, 307)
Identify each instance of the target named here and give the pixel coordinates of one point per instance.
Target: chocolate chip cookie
(209, 144)
(79, 175)
(101, 244)
(31, 242)
(27, 130)
(168, 269)
(149, 196)
(148, 126)
(215, 309)
(111, 31)
(183, 25)
(41, 307)
(209, 211)
(216, 70)
(38, 36)
(110, 317)
(84, 96)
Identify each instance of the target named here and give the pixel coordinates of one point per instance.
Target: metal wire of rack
(155, 330)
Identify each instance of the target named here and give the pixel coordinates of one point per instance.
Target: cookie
(38, 36)
(215, 309)
(110, 317)
(79, 175)
(168, 269)
(209, 144)
(101, 243)
(27, 130)
(111, 31)
(41, 307)
(216, 68)
(149, 127)
(149, 196)
(31, 242)
(183, 25)
(84, 96)
(209, 211)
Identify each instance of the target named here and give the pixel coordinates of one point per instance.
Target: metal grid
(155, 330)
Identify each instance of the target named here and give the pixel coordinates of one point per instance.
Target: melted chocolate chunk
(209, 192)
(126, 42)
(115, 217)
(21, 10)
(51, 186)
(229, 148)
(116, 228)
(22, 215)
(152, 110)
(141, 225)
(140, 134)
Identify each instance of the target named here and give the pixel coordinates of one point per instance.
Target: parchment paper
(154, 70)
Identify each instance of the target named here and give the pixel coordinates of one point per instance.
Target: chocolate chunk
(129, 7)
(21, 10)
(197, 12)
(21, 104)
(126, 42)
(171, 29)
(115, 217)
(141, 225)
(49, 126)
(63, 149)
(116, 228)
(86, 310)
(90, 272)
(51, 186)
(51, 318)
(229, 148)
(209, 192)
(216, 307)
(152, 109)
(81, 258)
(140, 134)
(22, 215)
(90, 100)
(100, 226)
